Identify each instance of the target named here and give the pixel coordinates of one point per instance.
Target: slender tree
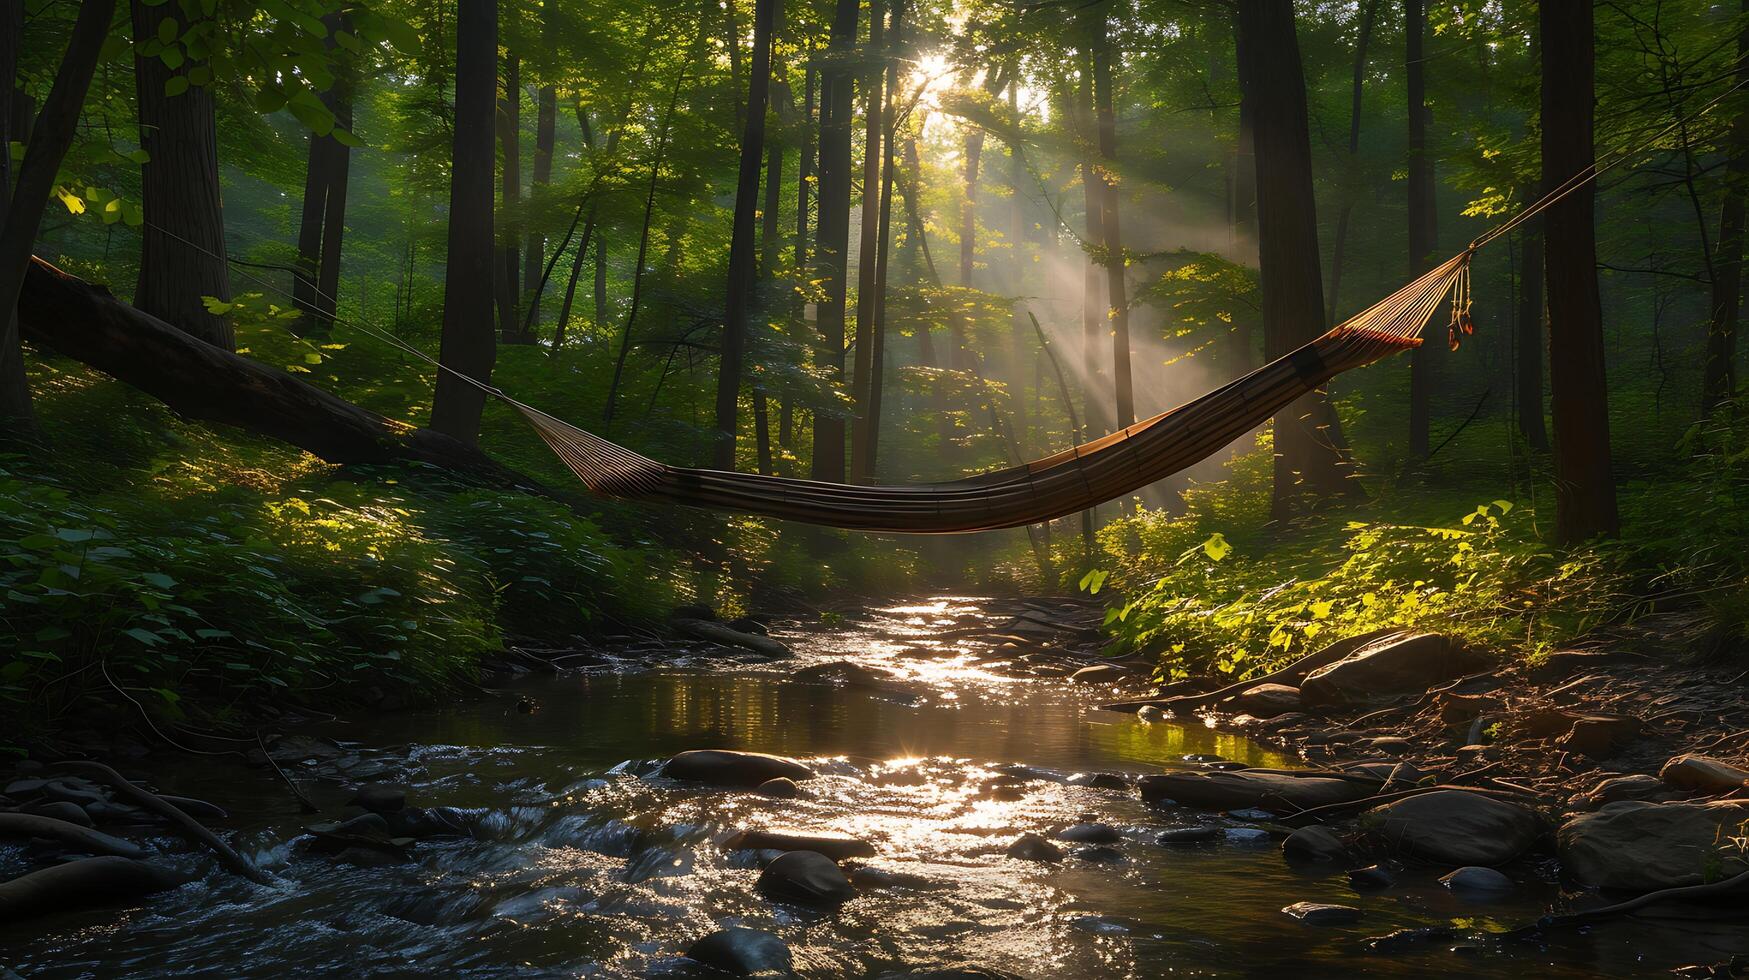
(832, 245)
(16, 417)
(182, 242)
(1308, 459)
(1094, 322)
(322, 228)
(1584, 484)
(884, 238)
(23, 212)
(509, 121)
(868, 228)
(1719, 380)
(1363, 36)
(468, 346)
(742, 281)
(1532, 337)
(535, 244)
(1422, 236)
(1116, 291)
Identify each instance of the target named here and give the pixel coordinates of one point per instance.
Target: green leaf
(1504, 505)
(216, 306)
(172, 57)
(269, 99)
(1216, 547)
(345, 137)
(159, 579)
(1093, 581)
(145, 637)
(401, 34)
(167, 30)
(175, 85)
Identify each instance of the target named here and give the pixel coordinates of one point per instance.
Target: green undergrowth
(1219, 590)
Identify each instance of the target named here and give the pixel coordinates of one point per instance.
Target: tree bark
(468, 345)
(883, 242)
(1094, 323)
(869, 228)
(742, 253)
(1116, 291)
(535, 245)
(1422, 241)
(1719, 380)
(832, 246)
(510, 218)
(53, 134)
(1363, 37)
(17, 420)
(1307, 457)
(1584, 484)
(1532, 338)
(322, 228)
(182, 243)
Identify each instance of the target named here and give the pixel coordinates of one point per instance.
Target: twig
(190, 827)
(1634, 904)
(303, 801)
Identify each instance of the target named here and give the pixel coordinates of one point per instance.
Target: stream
(581, 864)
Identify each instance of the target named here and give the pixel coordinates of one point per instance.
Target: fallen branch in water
(303, 801)
(1685, 892)
(29, 825)
(189, 827)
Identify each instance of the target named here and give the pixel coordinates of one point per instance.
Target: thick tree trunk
(869, 229)
(201, 381)
(832, 246)
(1532, 338)
(1719, 380)
(1116, 291)
(1363, 37)
(17, 420)
(510, 218)
(322, 230)
(53, 134)
(468, 346)
(535, 245)
(1421, 219)
(742, 254)
(1584, 482)
(1307, 457)
(182, 244)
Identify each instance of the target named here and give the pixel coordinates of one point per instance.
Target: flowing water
(580, 866)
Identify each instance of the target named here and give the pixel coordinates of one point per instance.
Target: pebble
(1370, 878)
(1099, 855)
(781, 788)
(1246, 835)
(1032, 847)
(1478, 881)
(742, 952)
(1091, 833)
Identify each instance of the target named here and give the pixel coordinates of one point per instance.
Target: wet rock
(1102, 925)
(1478, 881)
(369, 832)
(77, 792)
(113, 812)
(24, 789)
(1099, 855)
(1387, 669)
(1251, 813)
(1234, 790)
(742, 952)
(1314, 844)
(1404, 940)
(1100, 674)
(1636, 787)
(1245, 835)
(845, 672)
(836, 847)
(781, 788)
(1455, 827)
(806, 878)
(1099, 780)
(90, 883)
(1267, 700)
(379, 798)
(1636, 846)
(948, 973)
(1370, 878)
(750, 624)
(725, 767)
(72, 813)
(1701, 774)
(1090, 833)
(1179, 836)
(1148, 714)
(1321, 914)
(437, 821)
(1032, 847)
(304, 748)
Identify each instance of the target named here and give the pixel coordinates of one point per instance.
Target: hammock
(1073, 480)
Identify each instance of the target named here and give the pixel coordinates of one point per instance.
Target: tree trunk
(1584, 484)
(770, 241)
(20, 217)
(1421, 219)
(1307, 457)
(833, 234)
(1368, 16)
(322, 229)
(1242, 342)
(1094, 328)
(182, 243)
(883, 244)
(742, 266)
(869, 228)
(510, 218)
(1719, 382)
(1532, 338)
(468, 346)
(1117, 294)
(535, 246)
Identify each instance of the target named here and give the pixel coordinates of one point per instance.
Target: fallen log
(723, 635)
(72, 317)
(1290, 675)
(28, 825)
(184, 824)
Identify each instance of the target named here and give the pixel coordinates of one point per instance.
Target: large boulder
(806, 878)
(1637, 846)
(76, 885)
(1235, 790)
(1700, 774)
(742, 953)
(1387, 669)
(1457, 828)
(725, 767)
(1267, 700)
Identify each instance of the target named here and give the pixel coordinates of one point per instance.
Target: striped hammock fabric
(1070, 481)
